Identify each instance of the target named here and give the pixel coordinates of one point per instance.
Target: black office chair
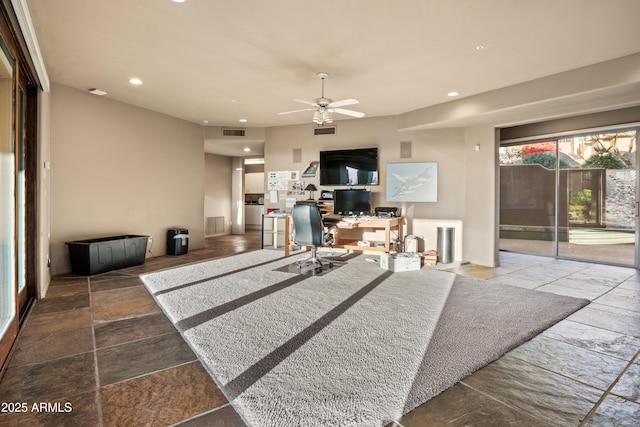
(309, 231)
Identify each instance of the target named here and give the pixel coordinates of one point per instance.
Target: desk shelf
(353, 245)
(362, 225)
(276, 232)
(347, 226)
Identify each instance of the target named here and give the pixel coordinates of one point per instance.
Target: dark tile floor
(103, 350)
(99, 352)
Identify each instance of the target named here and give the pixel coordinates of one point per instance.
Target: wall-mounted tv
(349, 167)
(352, 202)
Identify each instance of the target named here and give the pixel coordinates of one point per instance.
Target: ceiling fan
(324, 107)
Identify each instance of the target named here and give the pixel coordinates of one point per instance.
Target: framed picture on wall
(412, 182)
(311, 170)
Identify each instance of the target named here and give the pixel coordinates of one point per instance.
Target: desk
(276, 231)
(349, 235)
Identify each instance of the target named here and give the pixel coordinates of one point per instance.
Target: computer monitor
(351, 202)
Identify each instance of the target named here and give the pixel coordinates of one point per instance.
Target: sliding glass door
(572, 197)
(528, 198)
(19, 88)
(21, 201)
(598, 193)
(8, 323)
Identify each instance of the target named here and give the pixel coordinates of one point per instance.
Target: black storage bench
(95, 256)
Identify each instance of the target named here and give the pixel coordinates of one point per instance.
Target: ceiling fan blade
(313, 104)
(343, 103)
(297, 111)
(348, 112)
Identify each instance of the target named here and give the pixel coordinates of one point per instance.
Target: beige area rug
(354, 346)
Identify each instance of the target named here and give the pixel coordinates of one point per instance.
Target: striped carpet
(354, 346)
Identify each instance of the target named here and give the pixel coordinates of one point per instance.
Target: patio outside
(587, 184)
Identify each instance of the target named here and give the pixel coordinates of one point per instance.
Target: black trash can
(177, 241)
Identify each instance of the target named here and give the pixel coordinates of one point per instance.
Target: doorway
(573, 197)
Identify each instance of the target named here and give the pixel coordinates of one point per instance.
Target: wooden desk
(349, 235)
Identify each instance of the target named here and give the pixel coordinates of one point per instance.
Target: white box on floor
(400, 262)
(385, 260)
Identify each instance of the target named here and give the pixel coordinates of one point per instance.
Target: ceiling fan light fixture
(323, 108)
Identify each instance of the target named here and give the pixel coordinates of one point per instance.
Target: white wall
(466, 186)
(482, 195)
(237, 195)
(217, 188)
(44, 193)
(119, 169)
(363, 133)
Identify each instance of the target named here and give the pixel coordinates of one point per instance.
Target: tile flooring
(99, 352)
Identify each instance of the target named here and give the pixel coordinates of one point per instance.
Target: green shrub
(580, 203)
(608, 158)
(545, 159)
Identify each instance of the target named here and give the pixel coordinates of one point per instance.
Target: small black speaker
(326, 195)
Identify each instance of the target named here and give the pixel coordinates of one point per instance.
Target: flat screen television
(352, 202)
(349, 167)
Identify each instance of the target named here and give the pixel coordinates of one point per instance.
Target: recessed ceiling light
(246, 149)
(205, 121)
(234, 100)
(178, 1)
(480, 47)
(243, 120)
(453, 93)
(135, 81)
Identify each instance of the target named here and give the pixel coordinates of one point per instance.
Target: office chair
(309, 231)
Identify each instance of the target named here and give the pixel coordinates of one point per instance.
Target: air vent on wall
(232, 132)
(325, 130)
(215, 224)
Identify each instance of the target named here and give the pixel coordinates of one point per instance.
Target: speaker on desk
(326, 195)
(386, 212)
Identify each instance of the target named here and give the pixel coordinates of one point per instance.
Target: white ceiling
(247, 59)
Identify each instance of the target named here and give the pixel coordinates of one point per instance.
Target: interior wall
(482, 195)
(571, 124)
(608, 85)
(363, 133)
(237, 195)
(119, 169)
(44, 193)
(217, 188)
(466, 190)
